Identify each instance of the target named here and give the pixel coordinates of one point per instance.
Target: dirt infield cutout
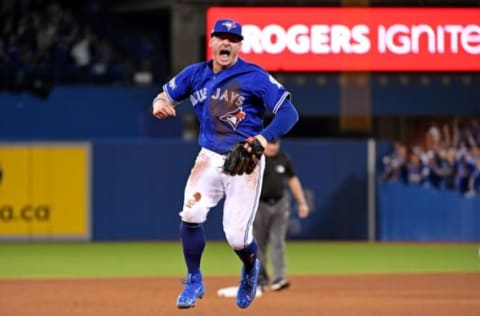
(399, 294)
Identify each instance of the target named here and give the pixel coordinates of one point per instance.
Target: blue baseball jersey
(230, 105)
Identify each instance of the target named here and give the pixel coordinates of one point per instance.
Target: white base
(231, 291)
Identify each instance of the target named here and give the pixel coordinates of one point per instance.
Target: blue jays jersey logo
(230, 104)
(234, 118)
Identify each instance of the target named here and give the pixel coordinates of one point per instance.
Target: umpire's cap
(227, 26)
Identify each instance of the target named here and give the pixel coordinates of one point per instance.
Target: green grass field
(142, 259)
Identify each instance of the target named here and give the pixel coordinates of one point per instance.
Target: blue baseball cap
(227, 26)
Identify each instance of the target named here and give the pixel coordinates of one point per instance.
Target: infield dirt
(400, 294)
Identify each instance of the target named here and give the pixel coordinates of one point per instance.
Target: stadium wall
(139, 167)
(134, 191)
(434, 215)
(82, 113)
(138, 189)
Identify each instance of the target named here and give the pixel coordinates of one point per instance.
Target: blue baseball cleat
(248, 286)
(193, 289)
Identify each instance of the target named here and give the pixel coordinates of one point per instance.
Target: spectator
(434, 135)
(474, 185)
(441, 170)
(394, 165)
(464, 170)
(416, 171)
(81, 50)
(450, 162)
(102, 55)
(43, 39)
(144, 75)
(475, 131)
(45, 34)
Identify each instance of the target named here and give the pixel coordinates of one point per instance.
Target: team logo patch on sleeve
(234, 118)
(172, 84)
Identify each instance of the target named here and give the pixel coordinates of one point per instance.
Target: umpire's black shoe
(280, 284)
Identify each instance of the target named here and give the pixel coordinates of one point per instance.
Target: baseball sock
(248, 255)
(193, 243)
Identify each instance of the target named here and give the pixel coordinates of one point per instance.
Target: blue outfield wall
(83, 113)
(334, 173)
(91, 112)
(138, 192)
(418, 214)
(138, 189)
(140, 166)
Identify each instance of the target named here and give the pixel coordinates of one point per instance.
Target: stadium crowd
(448, 158)
(44, 43)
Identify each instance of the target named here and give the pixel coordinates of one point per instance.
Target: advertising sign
(357, 39)
(44, 191)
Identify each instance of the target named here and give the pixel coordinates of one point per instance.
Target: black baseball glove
(244, 157)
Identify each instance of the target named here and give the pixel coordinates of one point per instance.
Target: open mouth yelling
(224, 54)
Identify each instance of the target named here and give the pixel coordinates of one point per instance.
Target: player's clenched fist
(162, 107)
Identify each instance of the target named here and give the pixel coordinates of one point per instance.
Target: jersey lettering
(198, 96)
(228, 107)
(230, 97)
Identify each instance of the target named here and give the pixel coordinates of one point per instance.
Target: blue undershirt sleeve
(282, 122)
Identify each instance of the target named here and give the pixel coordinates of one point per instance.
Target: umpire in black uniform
(271, 221)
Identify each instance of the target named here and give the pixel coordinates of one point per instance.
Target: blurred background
(385, 154)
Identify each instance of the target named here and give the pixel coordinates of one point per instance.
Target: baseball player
(229, 97)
